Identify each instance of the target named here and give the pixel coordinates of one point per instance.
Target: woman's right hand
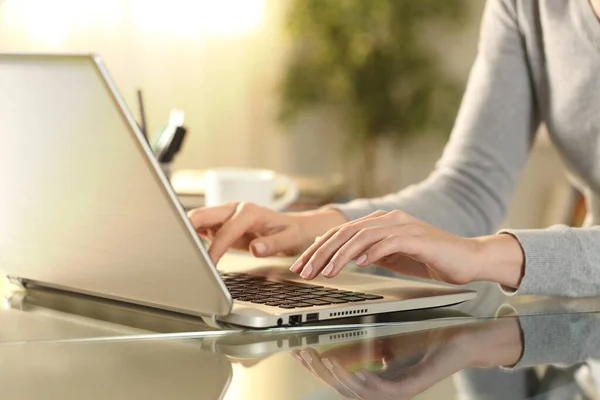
(260, 230)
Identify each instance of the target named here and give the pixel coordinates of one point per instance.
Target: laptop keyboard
(287, 294)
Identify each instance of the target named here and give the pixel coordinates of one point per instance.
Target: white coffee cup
(223, 185)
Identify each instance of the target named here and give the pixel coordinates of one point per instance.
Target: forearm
(468, 193)
(447, 199)
(498, 343)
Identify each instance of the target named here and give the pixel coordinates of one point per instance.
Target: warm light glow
(189, 17)
(231, 16)
(51, 22)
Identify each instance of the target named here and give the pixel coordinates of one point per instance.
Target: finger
(318, 255)
(311, 360)
(355, 383)
(355, 352)
(204, 218)
(356, 246)
(300, 360)
(409, 246)
(231, 231)
(301, 262)
(320, 369)
(285, 241)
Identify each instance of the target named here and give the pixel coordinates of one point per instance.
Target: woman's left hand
(404, 244)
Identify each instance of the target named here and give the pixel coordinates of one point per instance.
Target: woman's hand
(401, 243)
(414, 362)
(264, 232)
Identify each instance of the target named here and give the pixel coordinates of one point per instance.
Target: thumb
(287, 241)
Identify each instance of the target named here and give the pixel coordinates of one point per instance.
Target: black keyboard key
(316, 302)
(305, 285)
(289, 288)
(369, 296)
(336, 294)
(287, 306)
(328, 290)
(312, 296)
(333, 300)
(260, 301)
(297, 298)
(274, 303)
(353, 298)
(320, 293)
(301, 305)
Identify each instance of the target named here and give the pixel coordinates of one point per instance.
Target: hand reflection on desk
(403, 366)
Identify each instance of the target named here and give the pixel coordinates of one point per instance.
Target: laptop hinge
(211, 321)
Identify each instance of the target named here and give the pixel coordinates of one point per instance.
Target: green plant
(369, 60)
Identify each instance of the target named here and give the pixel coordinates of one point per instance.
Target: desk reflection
(490, 359)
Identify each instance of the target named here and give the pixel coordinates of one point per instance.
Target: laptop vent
(348, 313)
(347, 335)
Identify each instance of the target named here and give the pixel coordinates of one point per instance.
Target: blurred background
(296, 86)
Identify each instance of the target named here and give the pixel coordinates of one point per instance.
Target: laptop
(86, 208)
(43, 313)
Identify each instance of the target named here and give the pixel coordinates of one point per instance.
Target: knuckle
(245, 206)
(329, 233)
(397, 215)
(346, 230)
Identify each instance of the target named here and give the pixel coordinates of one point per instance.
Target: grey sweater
(538, 62)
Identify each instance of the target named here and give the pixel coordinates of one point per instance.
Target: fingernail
(298, 358)
(327, 363)
(328, 269)
(307, 271)
(361, 260)
(306, 356)
(259, 248)
(296, 266)
(361, 376)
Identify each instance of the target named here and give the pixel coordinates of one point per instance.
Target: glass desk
(62, 346)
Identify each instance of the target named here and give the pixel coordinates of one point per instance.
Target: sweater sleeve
(468, 192)
(563, 339)
(560, 261)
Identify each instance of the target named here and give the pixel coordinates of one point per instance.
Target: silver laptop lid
(83, 204)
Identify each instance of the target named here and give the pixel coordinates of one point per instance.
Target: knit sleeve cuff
(546, 340)
(548, 252)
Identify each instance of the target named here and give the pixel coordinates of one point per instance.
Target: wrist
(499, 343)
(501, 260)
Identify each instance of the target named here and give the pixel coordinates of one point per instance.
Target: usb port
(312, 340)
(295, 319)
(312, 317)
